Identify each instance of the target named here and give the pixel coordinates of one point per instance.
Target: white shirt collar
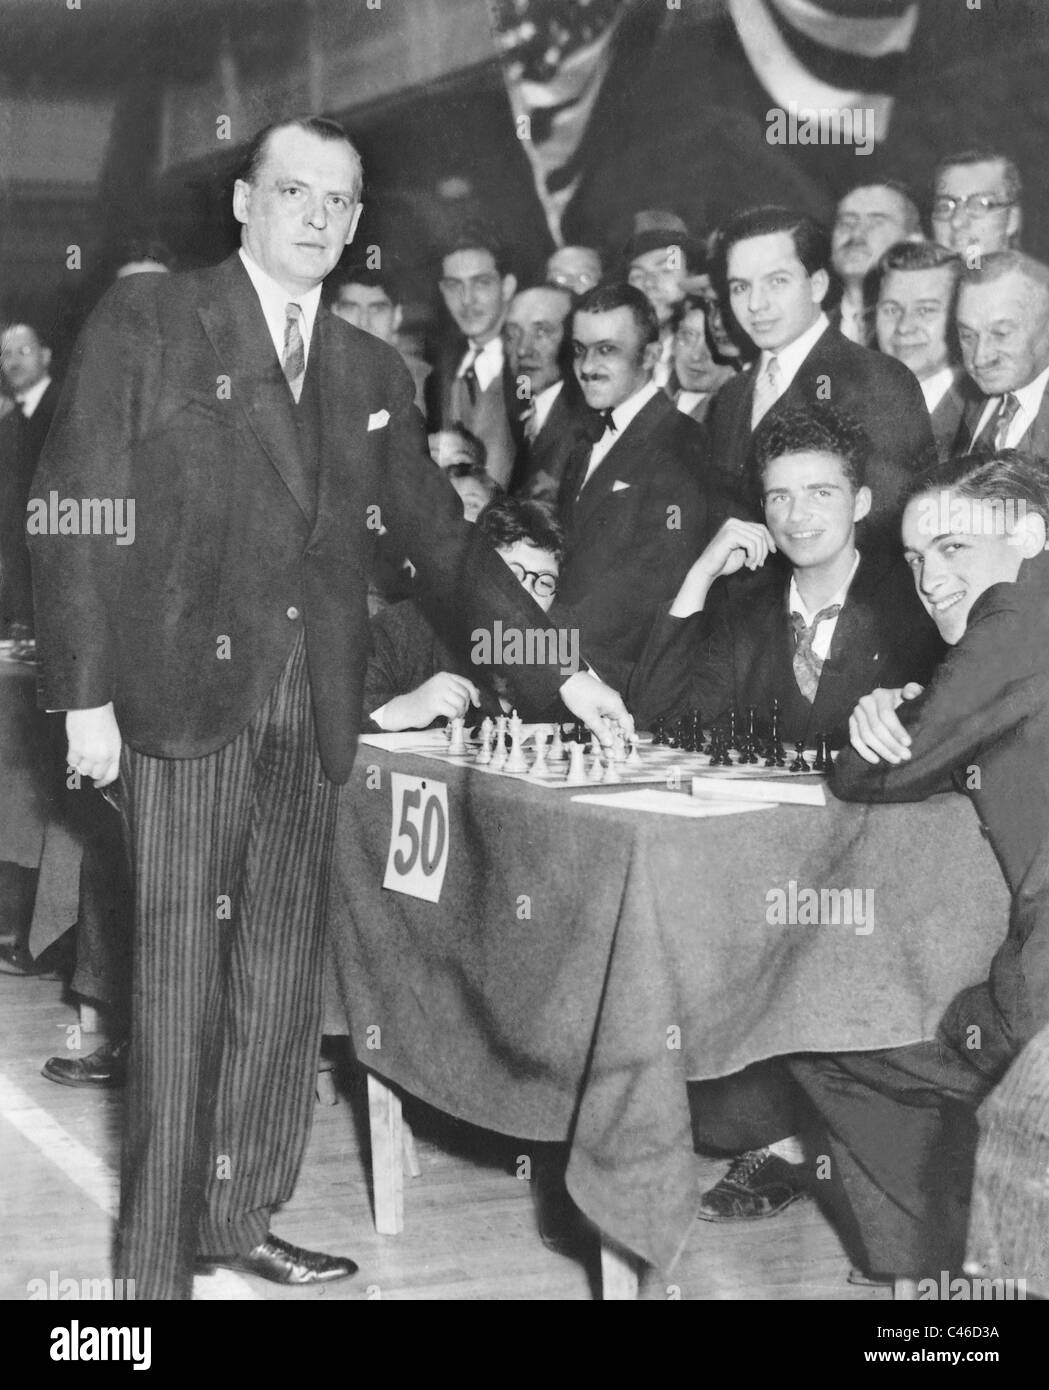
(274, 300)
(29, 400)
(687, 401)
(935, 387)
(791, 357)
(623, 413)
(1029, 398)
(797, 605)
(487, 361)
(544, 403)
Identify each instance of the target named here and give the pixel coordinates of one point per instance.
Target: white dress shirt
(622, 415)
(686, 401)
(29, 400)
(1030, 402)
(487, 361)
(543, 404)
(275, 300)
(935, 387)
(825, 632)
(791, 357)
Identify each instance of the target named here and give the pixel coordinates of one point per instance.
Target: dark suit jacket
(501, 440)
(1035, 441)
(947, 416)
(626, 549)
(741, 653)
(21, 441)
(879, 392)
(541, 465)
(982, 726)
(176, 398)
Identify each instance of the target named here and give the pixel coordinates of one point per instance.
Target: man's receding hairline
(355, 154)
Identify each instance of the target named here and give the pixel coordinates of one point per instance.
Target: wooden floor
(469, 1223)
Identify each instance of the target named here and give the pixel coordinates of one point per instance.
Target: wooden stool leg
(88, 1019)
(387, 1139)
(905, 1290)
(411, 1158)
(619, 1279)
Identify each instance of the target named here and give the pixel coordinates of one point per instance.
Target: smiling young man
(820, 621)
(776, 265)
(915, 292)
(897, 1124)
(217, 666)
(470, 384)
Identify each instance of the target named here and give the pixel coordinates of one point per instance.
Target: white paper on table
(670, 803)
(407, 739)
(782, 790)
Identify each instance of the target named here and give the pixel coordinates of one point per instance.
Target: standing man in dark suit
(635, 502)
(822, 620)
(218, 665)
(916, 286)
(1003, 328)
(898, 1124)
(552, 410)
(470, 385)
(776, 265)
(25, 360)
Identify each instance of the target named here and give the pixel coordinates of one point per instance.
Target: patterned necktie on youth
(808, 667)
(294, 360)
(766, 392)
(470, 377)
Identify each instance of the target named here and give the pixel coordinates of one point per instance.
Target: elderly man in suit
(218, 663)
(915, 288)
(776, 265)
(822, 621)
(1003, 328)
(635, 498)
(898, 1124)
(552, 410)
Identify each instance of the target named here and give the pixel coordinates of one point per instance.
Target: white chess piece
(458, 743)
(576, 763)
(597, 770)
(484, 752)
(539, 767)
(612, 772)
(634, 758)
(516, 762)
(556, 751)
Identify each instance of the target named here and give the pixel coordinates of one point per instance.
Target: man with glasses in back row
(976, 206)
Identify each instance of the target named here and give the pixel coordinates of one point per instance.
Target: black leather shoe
(757, 1184)
(103, 1068)
(16, 960)
(282, 1263)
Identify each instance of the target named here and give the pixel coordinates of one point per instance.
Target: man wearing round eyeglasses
(413, 678)
(917, 283)
(976, 203)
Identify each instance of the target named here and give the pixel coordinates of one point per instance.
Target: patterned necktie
(530, 424)
(294, 359)
(1003, 418)
(808, 667)
(469, 376)
(766, 392)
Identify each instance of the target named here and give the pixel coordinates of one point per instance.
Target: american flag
(822, 54)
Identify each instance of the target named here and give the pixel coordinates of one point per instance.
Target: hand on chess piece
(598, 706)
(445, 694)
(874, 730)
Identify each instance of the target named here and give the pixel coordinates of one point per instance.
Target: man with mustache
(635, 502)
(870, 219)
(1003, 329)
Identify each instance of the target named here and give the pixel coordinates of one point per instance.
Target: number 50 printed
(418, 853)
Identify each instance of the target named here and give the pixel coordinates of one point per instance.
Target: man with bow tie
(217, 666)
(635, 500)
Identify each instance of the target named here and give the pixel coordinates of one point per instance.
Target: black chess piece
(733, 736)
(697, 732)
(777, 756)
(822, 761)
(685, 740)
(659, 734)
(799, 764)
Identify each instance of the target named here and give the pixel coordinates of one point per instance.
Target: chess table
(577, 964)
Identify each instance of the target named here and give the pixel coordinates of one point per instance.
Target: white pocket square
(617, 486)
(379, 420)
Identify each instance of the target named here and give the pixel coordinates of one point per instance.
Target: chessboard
(643, 763)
